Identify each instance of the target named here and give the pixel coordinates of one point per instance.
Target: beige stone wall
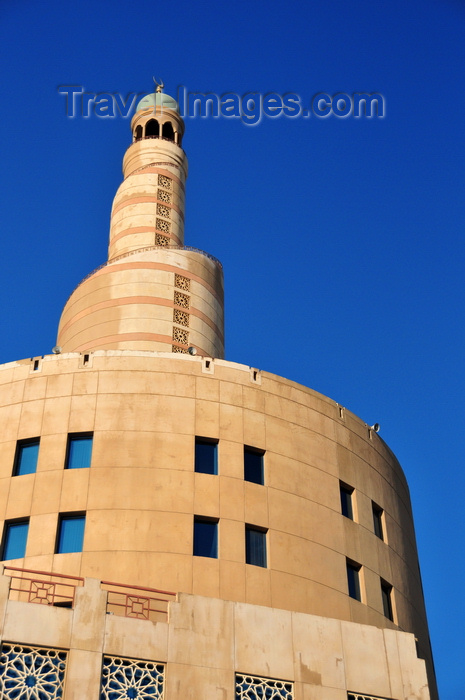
(150, 300)
(206, 641)
(146, 204)
(141, 493)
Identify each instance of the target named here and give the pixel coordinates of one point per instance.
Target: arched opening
(152, 128)
(138, 133)
(168, 131)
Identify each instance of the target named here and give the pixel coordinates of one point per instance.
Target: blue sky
(342, 239)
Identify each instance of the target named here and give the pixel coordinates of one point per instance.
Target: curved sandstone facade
(141, 492)
(164, 299)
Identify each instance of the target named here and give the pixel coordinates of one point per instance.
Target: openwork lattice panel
(30, 673)
(358, 696)
(180, 335)
(162, 210)
(163, 225)
(176, 348)
(161, 240)
(181, 317)
(164, 196)
(181, 299)
(128, 678)
(182, 282)
(164, 181)
(256, 688)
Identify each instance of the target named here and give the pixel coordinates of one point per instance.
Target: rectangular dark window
(255, 546)
(79, 451)
(205, 537)
(378, 521)
(353, 580)
(386, 594)
(27, 452)
(14, 539)
(253, 465)
(206, 456)
(346, 500)
(70, 534)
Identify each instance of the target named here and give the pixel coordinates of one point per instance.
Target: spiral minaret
(153, 293)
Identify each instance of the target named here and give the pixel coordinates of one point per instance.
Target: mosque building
(177, 525)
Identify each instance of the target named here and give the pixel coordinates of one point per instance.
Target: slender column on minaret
(153, 293)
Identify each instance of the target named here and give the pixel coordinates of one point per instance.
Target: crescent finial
(159, 83)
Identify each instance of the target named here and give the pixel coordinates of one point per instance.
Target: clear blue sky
(342, 239)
